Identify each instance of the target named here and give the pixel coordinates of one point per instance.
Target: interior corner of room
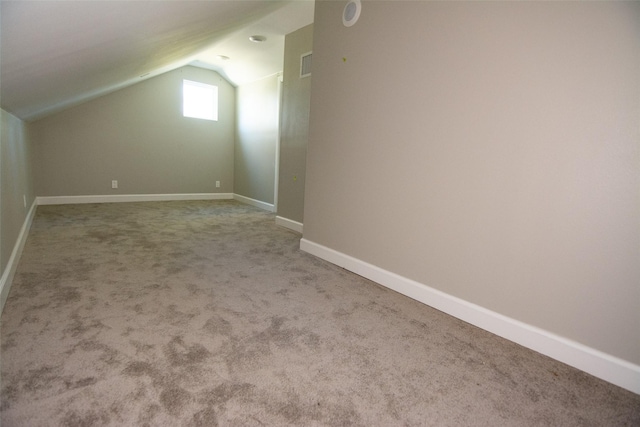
(481, 158)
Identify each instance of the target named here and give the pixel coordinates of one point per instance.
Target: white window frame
(199, 100)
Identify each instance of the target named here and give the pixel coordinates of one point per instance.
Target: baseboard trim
(599, 364)
(289, 223)
(253, 202)
(123, 198)
(12, 264)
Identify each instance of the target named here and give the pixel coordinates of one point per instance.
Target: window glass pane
(199, 100)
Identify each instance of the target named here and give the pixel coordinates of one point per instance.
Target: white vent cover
(305, 65)
(351, 13)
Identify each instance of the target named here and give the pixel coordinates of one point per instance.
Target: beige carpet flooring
(206, 313)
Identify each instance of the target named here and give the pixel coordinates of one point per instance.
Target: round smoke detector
(351, 13)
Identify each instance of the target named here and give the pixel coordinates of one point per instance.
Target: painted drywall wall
(489, 150)
(138, 137)
(16, 183)
(257, 106)
(294, 126)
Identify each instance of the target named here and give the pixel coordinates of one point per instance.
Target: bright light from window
(199, 100)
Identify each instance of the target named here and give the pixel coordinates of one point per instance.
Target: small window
(199, 100)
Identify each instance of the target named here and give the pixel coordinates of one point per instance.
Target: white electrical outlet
(217, 184)
(114, 184)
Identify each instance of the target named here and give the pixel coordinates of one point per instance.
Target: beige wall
(139, 137)
(294, 126)
(16, 182)
(256, 139)
(489, 150)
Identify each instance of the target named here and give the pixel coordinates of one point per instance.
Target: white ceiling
(56, 54)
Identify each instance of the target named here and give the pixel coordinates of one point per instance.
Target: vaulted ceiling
(56, 54)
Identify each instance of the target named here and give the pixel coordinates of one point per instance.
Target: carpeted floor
(206, 313)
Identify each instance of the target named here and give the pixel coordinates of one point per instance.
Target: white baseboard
(289, 223)
(12, 264)
(253, 202)
(120, 198)
(599, 364)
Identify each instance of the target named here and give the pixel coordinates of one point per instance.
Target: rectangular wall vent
(305, 65)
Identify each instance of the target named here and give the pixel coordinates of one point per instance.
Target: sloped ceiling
(56, 54)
